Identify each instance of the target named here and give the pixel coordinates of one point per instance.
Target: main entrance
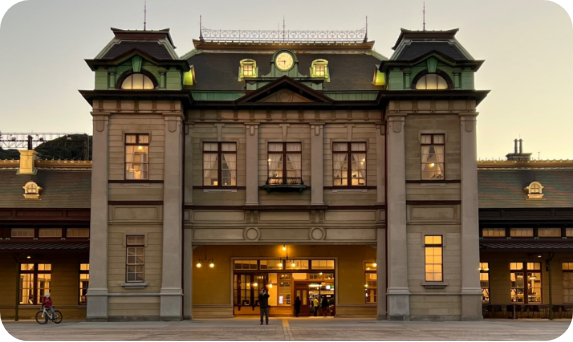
(311, 280)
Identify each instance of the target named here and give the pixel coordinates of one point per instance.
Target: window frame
(119, 84)
(568, 271)
(83, 272)
(488, 288)
(349, 153)
(127, 263)
(441, 246)
(35, 288)
(284, 152)
(219, 154)
(137, 143)
(367, 289)
(432, 143)
(526, 287)
(439, 73)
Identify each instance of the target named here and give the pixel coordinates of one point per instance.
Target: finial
(424, 17)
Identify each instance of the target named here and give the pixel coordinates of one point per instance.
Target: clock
(284, 61)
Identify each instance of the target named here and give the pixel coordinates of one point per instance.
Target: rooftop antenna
(200, 27)
(144, 15)
(424, 16)
(283, 28)
(366, 34)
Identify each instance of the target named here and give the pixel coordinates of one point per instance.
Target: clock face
(284, 61)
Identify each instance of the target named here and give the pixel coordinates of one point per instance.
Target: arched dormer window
(431, 82)
(534, 190)
(247, 68)
(137, 81)
(31, 190)
(319, 68)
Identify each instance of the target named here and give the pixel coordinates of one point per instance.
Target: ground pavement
(290, 329)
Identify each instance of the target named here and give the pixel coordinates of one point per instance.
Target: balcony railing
(284, 184)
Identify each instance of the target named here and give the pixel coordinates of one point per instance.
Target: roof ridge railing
(284, 36)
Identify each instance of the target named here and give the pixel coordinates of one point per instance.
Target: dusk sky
(527, 46)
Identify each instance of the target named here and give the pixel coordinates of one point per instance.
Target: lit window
(370, 286)
(32, 190)
(349, 164)
(135, 263)
(569, 232)
(136, 156)
(521, 232)
(84, 282)
(549, 232)
(285, 163)
(319, 68)
(432, 156)
(322, 264)
(50, 233)
(567, 282)
(484, 281)
(246, 264)
(431, 82)
(525, 282)
(35, 281)
(137, 82)
(534, 190)
(434, 259)
(248, 68)
(78, 233)
(271, 264)
(189, 77)
(296, 264)
(219, 164)
(493, 232)
(22, 232)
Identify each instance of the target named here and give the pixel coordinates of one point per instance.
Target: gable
(284, 96)
(285, 90)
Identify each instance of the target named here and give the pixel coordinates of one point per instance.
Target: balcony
(284, 184)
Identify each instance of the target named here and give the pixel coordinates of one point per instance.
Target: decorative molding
(317, 233)
(252, 234)
(219, 131)
(135, 202)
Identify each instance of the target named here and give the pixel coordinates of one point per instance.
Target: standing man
(315, 302)
(264, 303)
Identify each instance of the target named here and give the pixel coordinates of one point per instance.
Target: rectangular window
(370, 283)
(493, 232)
(35, 280)
(319, 70)
(137, 156)
(432, 153)
(271, 265)
(322, 264)
(349, 164)
(569, 232)
(248, 70)
(84, 282)
(297, 265)
(246, 264)
(484, 281)
(549, 232)
(50, 233)
(567, 282)
(135, 263)
(219, 164)
(22, 232)
(433, 253)
(521, 232)
(78, 233)
(525, 282)
(284, 163)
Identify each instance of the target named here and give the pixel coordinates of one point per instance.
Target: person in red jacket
(47, 302)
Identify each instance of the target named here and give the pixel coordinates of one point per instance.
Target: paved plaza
(291, 329)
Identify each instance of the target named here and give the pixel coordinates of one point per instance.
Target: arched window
(137, 81)
(431, 82)
(534, 190)
(32, 190)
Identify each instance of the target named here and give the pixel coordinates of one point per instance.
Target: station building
(307, 164)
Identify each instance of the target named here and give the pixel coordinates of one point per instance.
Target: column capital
(468, 115)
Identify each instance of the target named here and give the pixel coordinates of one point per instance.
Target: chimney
(520, 146)
(518, 154)
(27, 160)
(515, 146)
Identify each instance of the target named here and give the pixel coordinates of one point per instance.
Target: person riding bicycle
(47, 302)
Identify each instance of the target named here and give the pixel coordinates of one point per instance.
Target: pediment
(285, 90)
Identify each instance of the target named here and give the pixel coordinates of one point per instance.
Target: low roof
(61, 189)
(499, 188)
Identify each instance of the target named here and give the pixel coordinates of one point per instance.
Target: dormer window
(137, 81)
(248, 68)
(534, 190)
(319, 68)
(189, 77)
(31, 190)
(431, 82)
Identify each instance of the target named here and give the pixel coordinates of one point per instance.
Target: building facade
(315, 168)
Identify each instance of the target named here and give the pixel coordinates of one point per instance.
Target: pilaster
(398, 291)
(252, 164)
(317, 164)
(171, 291)
(97, 310)
(380, 165)
(381, 273)
(188, 162)
(188, 274)
(471, 289)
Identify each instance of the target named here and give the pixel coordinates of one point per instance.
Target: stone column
(188, 273)
(97, 291)
(171, 277)
(380, 164)
(471, 288)
(252, 164)
(398, 291)
(381, 273)
(317, 164)
(188, 161)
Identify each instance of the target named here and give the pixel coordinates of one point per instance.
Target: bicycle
(43, 314)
